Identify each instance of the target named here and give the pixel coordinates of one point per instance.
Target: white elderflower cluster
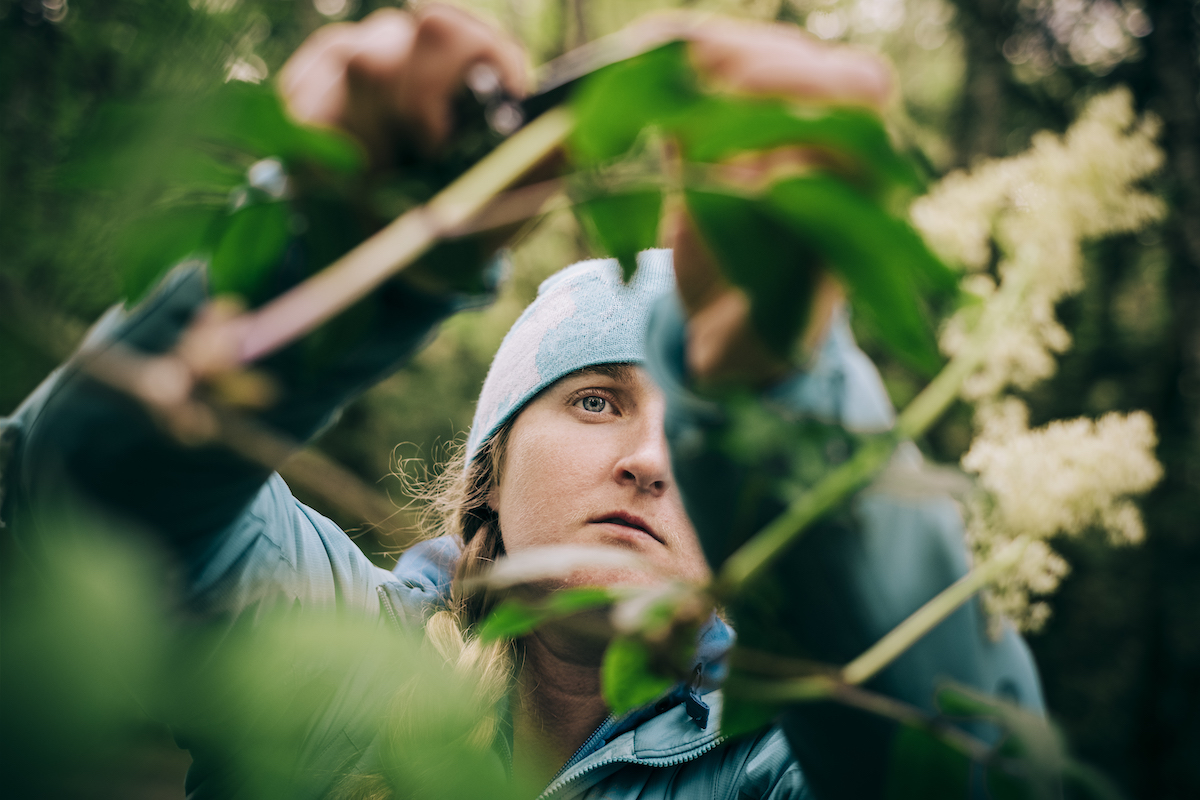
(1062, 479)
(1037, 208)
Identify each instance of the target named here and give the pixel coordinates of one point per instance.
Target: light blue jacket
(247, 545)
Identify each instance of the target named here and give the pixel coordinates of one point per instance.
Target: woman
(573, 442)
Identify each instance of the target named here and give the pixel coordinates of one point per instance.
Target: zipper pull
(696, 708)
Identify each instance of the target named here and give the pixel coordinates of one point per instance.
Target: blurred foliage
(1121, 656)
(88, 634)
(843, 223)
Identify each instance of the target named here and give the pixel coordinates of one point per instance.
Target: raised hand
(391, 79)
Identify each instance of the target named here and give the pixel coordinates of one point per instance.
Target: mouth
(627, 520)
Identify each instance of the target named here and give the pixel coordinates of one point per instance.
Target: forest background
(1120, 657)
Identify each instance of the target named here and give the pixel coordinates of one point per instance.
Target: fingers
(472, 40)
(394, 75)
(447, 43)
(312, 82)
(782, 60)
(756, 58)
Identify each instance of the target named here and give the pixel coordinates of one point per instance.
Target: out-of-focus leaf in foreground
(628, 678)
(623, 224)
(758, 253)
(923, 766)
(514, 618)
(250, 243)
(181, 168)
(93, 643)
(881, 260)
(1030, 762)
(83, 633)
(616, 103)
(840, 215)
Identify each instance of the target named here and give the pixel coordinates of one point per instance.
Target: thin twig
(517, 205)
(818, 688)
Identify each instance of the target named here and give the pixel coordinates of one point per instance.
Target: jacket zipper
(554, 787)
(584, 750)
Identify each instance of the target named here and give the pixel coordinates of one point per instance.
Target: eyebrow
(618, 372)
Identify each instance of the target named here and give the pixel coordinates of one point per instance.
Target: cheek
(539, 490)
(693, 566)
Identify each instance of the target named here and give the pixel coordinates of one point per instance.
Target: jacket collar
(663, 740)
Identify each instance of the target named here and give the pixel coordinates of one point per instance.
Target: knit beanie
(583, 315)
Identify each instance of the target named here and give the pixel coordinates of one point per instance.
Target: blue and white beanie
(583, 315)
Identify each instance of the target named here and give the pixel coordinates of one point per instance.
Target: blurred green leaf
(762, 256)
(627, 677)
(1032, 734)
(148, 246)
(659, 88)
(514, 618)
(614, 104)
(883, 262)
(1032, 755)
(740, 716)
(770, 248)
(83, 634)
(718, 127)
(923, 767)
(1032, 761)
(149, 144)
(251, 116)
(250, 244)
(623, 225)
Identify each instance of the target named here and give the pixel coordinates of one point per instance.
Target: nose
(645, 462)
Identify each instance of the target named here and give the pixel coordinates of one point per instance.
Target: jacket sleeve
(852, 577)
(75, 440)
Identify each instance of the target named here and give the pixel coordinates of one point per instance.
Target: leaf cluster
(770, 240)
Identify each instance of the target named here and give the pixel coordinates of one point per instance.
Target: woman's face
(586, 463)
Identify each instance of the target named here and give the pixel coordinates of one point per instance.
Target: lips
(627, 520)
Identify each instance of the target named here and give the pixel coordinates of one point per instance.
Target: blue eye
(593, 403)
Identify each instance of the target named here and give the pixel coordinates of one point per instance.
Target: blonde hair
(457, 503)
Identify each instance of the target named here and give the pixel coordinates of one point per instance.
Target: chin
(613, 578)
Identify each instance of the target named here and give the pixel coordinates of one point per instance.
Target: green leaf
(627, 678)
(623, 225)
(719, 127)
(884, 264)
(508, 621)
(740, 716)
(252, 117)
(160, 165)
(615, 103)
(1031, 734)
(923, 767)
(1031, 759)
(514, 618)
(149, 246)
(659, 88)
(762, 256)
(771, 248)
(250, 245)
